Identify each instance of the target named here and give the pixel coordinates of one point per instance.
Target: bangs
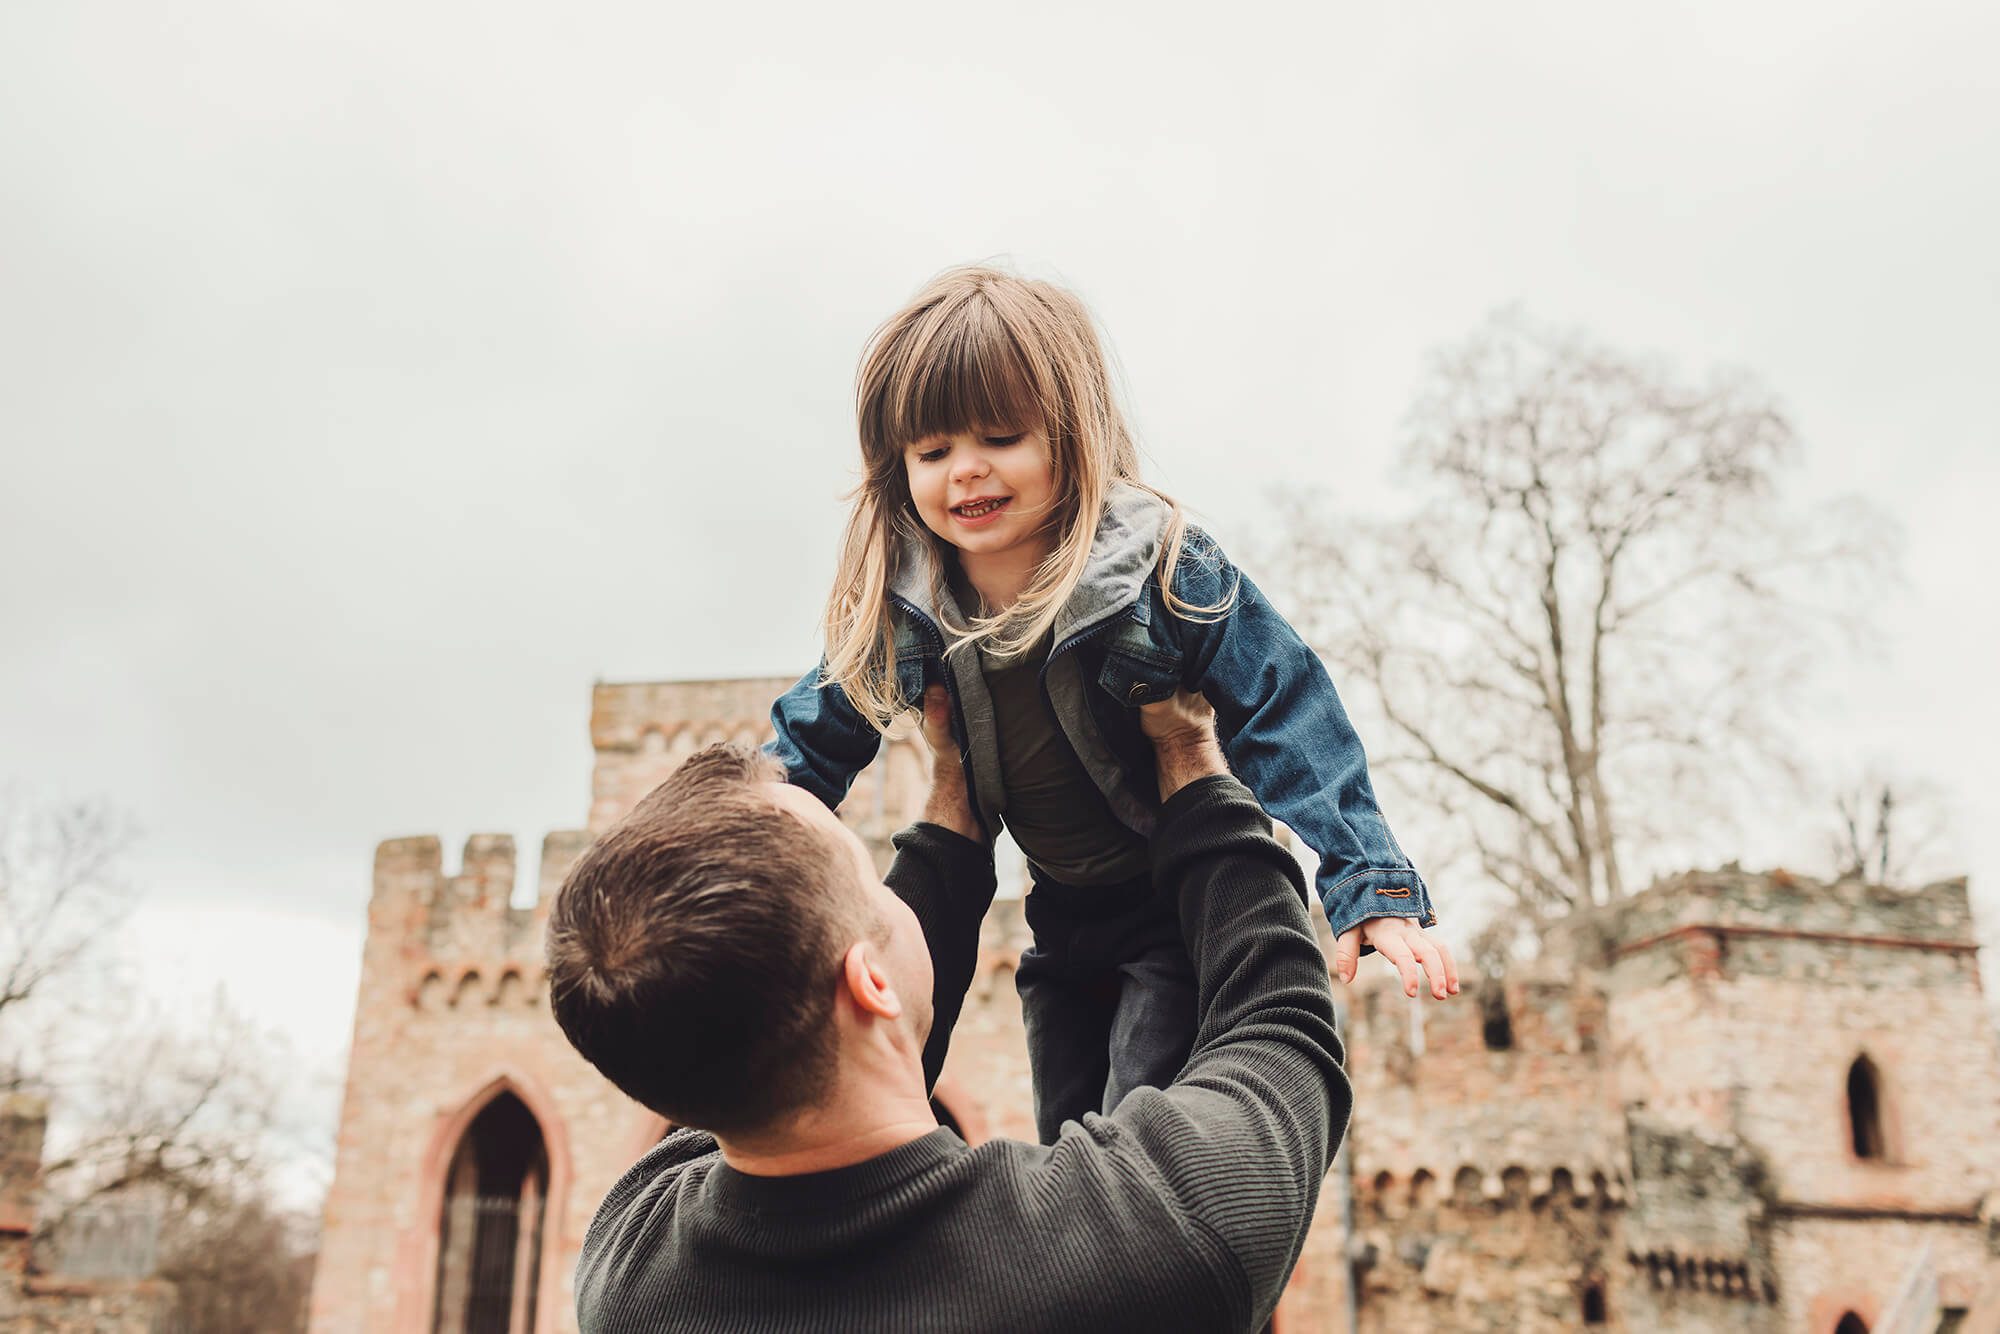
(957, 368)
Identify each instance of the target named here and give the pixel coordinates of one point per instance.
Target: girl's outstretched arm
(822, 740)
(1289, 739)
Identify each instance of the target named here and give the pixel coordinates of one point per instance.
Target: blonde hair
(983, 350)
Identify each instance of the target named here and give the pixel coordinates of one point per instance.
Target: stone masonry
(33, 1301)
(1649, 1129)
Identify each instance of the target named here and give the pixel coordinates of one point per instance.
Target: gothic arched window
(490, 1235)
(1864, 1109)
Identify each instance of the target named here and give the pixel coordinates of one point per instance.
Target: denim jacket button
(1137, 694)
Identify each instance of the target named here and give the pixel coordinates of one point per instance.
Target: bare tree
(61, 894)
(1884, 831)
(238, 1265)
(1581, 646)
(182, 1114)
(178, 1115)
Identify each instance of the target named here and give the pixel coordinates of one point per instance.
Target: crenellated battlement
(641, 731)
(625, 715)
(1779, 903)
(454, 934)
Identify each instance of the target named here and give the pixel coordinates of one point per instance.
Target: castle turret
(1813, 1058)
(1731, 1102)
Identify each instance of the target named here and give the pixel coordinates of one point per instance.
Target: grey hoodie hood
(1123, 552)
(1122, 556)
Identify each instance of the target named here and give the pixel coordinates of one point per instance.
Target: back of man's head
(695, 950)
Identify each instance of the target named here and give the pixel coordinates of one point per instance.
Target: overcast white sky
(374, 377)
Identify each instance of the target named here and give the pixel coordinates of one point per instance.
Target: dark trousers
(1107, 993)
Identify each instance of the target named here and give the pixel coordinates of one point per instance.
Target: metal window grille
(496, 1225)
(498, 1262)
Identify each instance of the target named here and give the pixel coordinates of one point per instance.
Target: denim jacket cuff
(1384, 892)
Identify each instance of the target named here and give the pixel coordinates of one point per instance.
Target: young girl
(1002, 543)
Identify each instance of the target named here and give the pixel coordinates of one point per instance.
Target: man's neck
(840, 1134)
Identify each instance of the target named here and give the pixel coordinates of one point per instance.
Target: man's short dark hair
(694, 950)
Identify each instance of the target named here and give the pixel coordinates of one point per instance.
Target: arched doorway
(490, 1232)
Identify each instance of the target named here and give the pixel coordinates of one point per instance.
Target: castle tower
(1732, 1102)
(1819, 1054)
(474, 1144)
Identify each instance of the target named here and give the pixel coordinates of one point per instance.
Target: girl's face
(985, 494)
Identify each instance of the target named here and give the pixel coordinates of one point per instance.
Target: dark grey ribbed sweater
(1182, 1210)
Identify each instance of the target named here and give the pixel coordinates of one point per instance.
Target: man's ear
(868, 984)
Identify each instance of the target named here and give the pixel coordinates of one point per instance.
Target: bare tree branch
(1593, 625)
(61, 898)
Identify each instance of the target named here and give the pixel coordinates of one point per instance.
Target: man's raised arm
(944, 871)
(1244, 1135)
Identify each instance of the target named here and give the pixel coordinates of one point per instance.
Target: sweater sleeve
(1243, 1138)
(948, 882)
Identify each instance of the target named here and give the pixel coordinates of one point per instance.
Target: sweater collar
(811, 1191)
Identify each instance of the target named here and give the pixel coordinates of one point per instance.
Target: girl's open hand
(1403, 943)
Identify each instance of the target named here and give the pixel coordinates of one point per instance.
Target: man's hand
(949, 804)
(1182, 730)
(1403, 943)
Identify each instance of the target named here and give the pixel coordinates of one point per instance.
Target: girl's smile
(983, 510)
(987, 494)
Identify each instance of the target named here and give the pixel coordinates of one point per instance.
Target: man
(727, 956)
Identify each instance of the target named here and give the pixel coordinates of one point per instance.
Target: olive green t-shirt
(1054, 810)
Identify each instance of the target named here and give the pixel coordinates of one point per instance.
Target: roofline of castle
(1791, 933)
(696, 680)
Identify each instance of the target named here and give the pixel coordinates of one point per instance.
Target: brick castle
(1732, 1102)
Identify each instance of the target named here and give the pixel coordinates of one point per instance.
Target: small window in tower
(1593, 1302)
(1495, 1025)
(1851, 1324)
(1864, 1109)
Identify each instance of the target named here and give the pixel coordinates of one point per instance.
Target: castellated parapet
(458, 938)
(1734, 1101)
(643, 731)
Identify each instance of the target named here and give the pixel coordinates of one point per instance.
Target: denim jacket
(1117, 646)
